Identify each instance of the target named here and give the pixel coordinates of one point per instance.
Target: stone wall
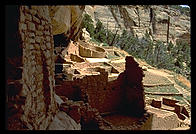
(38, 66)
(125, 93)
(90, 51)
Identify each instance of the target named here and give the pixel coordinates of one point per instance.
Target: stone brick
(47, 54)
(37, 47)
(47, 33)
(28, 17)
(46, 27)
(37, 39)
(48, 45)
(23, 26)
(22, 36)
(43, 22)
(33, 12)
(43, 47)
(30, 40)
(40, 12)
(39, 33)
(49, 62)
(40, 27)
(22, 17)
(48, 38)
(31, 47)
(36, 20)
(32, 35)
(31, 26)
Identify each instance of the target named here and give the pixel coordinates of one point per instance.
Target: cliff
(66, 20)
(141, 19)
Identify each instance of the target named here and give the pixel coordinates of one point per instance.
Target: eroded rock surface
(140, 19)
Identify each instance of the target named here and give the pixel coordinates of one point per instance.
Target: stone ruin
(37, 90)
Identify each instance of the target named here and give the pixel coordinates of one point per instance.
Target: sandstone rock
(62, 121)
(85, 35)
(162, 119)
(31, 26)
(66, 19)
(140, 21)
(58, 99)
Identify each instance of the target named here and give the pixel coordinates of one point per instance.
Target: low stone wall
(87, 50)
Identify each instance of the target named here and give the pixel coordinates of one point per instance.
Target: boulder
(163, 119)
(62, 121)
(85, 35)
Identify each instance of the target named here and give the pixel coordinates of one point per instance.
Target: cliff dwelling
(57, 81)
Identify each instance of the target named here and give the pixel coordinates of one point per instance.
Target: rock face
(139, 20)
(67, 20)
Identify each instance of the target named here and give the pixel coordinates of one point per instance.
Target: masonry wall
(105, 96)
(38, 66)
(96, 90)
(125, 93)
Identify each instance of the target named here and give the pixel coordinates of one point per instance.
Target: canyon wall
(66, 20)
(141, 19)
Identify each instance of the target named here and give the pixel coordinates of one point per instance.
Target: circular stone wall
(90, 51)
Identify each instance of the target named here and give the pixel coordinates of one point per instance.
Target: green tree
(100, 32)
(88, 24)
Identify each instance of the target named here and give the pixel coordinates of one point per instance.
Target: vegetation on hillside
(158, 54)
(99, 33)
(183, 10)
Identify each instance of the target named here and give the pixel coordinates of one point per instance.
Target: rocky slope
(140, 19)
